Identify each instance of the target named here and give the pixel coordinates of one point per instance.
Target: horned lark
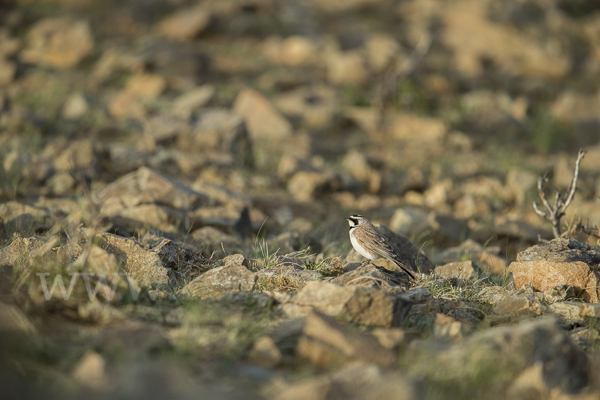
(371, 244)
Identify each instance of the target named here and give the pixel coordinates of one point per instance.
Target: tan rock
(306, 185)
(79, 154)
(264, 352)
(8, 71)
(59, 42)
(147, 186)
(412, 127)
(186, 24)
(545, 274)
(459, 269)
(262, 120)
(25, 219)
(468, 31)
(346, 68)
(292, 51)
(325, 343)
(75, 107)
(91, 371)
(355, 304)
(447, 327)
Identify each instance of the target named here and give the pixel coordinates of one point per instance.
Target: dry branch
(555, 212)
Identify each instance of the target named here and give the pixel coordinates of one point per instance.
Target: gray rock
(192, 101)
(562, 250)
(233, 276)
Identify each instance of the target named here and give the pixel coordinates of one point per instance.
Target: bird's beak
(347, 219)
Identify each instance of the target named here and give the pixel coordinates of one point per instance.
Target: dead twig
(557, 210)
(593, 231)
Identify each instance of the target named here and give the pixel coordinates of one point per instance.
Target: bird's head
(355, 220)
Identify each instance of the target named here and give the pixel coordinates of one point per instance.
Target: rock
(410, 127)
(165, 128)
(357, 165)
(409, 221)
(292, 51)
(158, 264)
(147, 186)
(78, 155)
(517, 54)
(519, 304)
(226, 217)
(24, 219)
(370, 275)
(486, 257)
(515, 227)
(222, 130)
(354, 304)
(141, 86)
(512, 349)
(59, 42)
(61, 183)
(233, 276)
(8, 72)
(211, 239)
(543, 275)
(264, 352)
(221, 194)
(285, 277)
(192, 101)
(381, 50)
(186, 24)
(459, 269)
(346, 68)
(91, 371)
(306, 186)
(356, 381)
(315, 106)
(17, 333)
(519, 183)
(492, 294)
(567, 311)
(262, 120)
(447, 327)
(325, 343)
(75, 107)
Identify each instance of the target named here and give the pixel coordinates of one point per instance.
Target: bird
(370, 243)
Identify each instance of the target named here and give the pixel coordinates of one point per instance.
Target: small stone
(8, 71)
(218, 281)
(264, 352)
(447, 327)
(460, 269)
(193, 100)
(75, 107)
(305, 185)
(263, 121)
(59, 42)
(325, 342)
(346, 68)
(186, 24)
(91, 371)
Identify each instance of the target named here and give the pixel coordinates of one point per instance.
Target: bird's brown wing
(379, 245)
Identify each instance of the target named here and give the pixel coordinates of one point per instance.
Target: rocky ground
(174, 179)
